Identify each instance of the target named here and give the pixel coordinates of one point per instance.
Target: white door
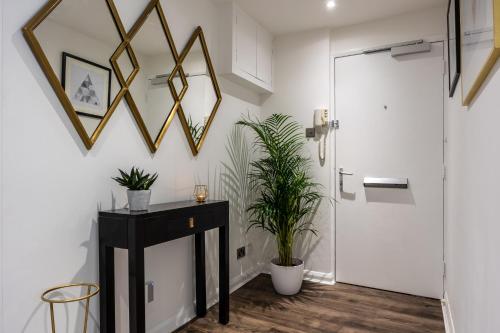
(391, 125)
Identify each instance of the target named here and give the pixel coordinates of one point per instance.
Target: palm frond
(286, 192)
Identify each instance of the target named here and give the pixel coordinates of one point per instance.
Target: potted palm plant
(138, 184)
(287, 195)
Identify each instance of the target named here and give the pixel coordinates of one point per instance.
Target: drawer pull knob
(191, 223)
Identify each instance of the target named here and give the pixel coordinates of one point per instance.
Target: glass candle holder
(200, 193)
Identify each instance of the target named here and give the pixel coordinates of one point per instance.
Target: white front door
(390, 111)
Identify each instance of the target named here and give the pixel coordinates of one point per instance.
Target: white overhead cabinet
(264, 56)
(246, 50)
(246, 43)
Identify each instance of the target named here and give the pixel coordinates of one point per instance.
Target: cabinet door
(264, 55)
(246, 43)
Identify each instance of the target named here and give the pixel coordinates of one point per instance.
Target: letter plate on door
(385, 182)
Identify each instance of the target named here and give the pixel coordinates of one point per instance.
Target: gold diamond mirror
(149, 94)
(74, 53)
(199, 104)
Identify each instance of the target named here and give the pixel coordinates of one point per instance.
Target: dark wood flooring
(318, 308)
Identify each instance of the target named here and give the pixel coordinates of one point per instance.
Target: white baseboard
(313, 276)
(447, 316)
(319, 277)
(239, 281)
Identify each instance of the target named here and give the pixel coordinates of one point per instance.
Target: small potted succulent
(138, 184)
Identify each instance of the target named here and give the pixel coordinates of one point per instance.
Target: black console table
(161, 223)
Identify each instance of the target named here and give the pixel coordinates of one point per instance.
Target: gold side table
(92, 290)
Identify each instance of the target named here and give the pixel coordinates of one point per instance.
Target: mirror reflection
(79, 52)
(149, 89)
(200, 98)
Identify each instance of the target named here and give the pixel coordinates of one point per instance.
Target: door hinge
(444, 172)
(444, 270)
(335, 124)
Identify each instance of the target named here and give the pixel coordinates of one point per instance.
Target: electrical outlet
(241, 253)
(150, 291)
(248, 249)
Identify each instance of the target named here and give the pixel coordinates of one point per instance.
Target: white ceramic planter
(138, 200)
(287, 280)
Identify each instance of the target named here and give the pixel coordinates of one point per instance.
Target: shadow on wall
(64, 312)
(231, 182)
(236, 188)
(307, 242)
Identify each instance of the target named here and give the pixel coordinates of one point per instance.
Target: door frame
(333, 139)
(2, 102)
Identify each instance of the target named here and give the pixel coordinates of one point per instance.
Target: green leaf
(135, 180)
(287, 195)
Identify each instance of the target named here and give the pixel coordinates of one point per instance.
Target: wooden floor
(340, 308)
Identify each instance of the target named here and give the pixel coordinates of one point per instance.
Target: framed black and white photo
(454, 51)
(87, 85)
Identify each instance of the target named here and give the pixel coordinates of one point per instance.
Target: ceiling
(285, 16)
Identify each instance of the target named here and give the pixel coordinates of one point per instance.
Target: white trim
(313, 276)
(333, 165)
(448, 318)
(239, 281)
(319, 277)
(2, 103)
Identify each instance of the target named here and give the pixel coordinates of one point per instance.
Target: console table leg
(224, 274)
(107, 285)
(137, 307)
(201, 284)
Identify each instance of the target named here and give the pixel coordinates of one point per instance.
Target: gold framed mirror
(75, 57)
(149, 95)
(200, 102)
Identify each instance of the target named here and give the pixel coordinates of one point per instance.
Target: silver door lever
(343, 173)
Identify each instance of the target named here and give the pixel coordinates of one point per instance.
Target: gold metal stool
(92, 290)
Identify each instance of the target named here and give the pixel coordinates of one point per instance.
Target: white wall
(417, 25)
(55, 186)
(302, 84)
(473, 231)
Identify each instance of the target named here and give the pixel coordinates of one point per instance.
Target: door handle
(343, 173)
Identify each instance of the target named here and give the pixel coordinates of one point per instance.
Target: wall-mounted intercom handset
(320, 118)
(321, 130)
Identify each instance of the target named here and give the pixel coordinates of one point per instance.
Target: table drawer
(191, 223)
(160, 229)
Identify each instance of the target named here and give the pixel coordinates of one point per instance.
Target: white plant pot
(138, 200)
(287, 280)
